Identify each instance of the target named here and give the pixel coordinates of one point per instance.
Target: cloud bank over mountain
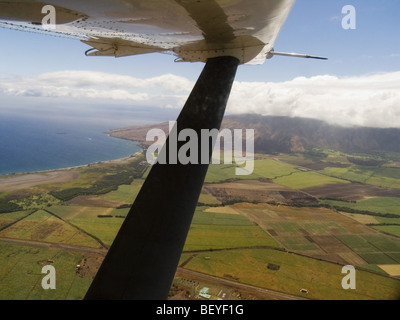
(370, 100)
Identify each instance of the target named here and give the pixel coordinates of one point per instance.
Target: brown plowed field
(258, 191)
(351, 191)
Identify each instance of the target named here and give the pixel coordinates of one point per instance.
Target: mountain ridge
(280, 134)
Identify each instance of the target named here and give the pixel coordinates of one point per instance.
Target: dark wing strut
(143, 259)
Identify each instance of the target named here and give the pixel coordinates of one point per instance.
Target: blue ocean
(29, 144)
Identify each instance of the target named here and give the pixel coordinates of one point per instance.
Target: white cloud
(369, 100)
(101, 79)
(95, 85)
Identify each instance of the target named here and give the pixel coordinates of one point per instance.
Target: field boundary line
(79, 229)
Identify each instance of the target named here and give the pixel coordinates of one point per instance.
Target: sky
(359, 84)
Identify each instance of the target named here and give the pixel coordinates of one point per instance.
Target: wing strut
(143, 258)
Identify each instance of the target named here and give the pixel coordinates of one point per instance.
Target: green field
(44, 227)
(321, 279)
(125, 193)
(202, 217)
(20, 273)
(120, 212)
(210, 231)
(381, 213)
(208, 199)
(302, 180)
(265, 168)
(281, 173)
(378, 258)
(211, 237)
(375, 249)
(297, 244)
(386, 205)
(104, 229)
(394, 230)
(379, 176)
(272, 169)
(70, 212)
(8, 218)
(222, 172)
(297, 228)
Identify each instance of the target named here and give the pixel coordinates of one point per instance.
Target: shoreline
(10, 175)
(19, 181)
(43, 167)
(139, 144)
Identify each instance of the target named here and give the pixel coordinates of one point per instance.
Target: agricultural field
(304, 237)
(42, 226)
(219, 216)
(7, 219)
(371, 197)
(378, 176)
(290, 225)
(389, 229)
(381, 213)
(126, 193)
(387, 205)
(322, 280)
(302, 180)
(21, 273)
(262, 190)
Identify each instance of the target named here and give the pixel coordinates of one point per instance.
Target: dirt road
(260, 293)
(70, 247)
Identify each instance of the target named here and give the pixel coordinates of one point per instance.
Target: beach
(21, 181)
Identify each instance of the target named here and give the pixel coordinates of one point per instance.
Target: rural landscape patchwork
(320, 197)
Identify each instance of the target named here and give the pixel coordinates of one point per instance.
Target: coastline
(43, 145)
(7, 175)
(139, 144)
(24, 180)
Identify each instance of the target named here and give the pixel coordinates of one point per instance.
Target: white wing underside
(192, 30)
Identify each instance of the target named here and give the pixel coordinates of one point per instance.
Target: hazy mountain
(285, 134)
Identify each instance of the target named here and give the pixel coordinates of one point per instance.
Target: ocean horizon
(33, 144)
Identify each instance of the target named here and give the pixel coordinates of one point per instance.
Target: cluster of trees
(115, 176)
(352, 210)
(7, 206)
(366, 162)
(106, 184)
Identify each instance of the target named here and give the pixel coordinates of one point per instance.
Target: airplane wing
(192, 30)
(143, 258)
